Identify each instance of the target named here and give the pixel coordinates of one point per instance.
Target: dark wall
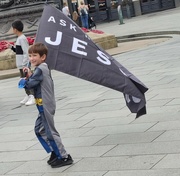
(148, 6)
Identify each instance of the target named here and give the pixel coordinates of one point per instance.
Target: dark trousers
(22, 75)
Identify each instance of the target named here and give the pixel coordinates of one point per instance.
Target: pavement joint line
(149, 34)
(140, 38)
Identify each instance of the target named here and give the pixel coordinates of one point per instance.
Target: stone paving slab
(24, 174)
(90, 151)
(174, 102)
(73, 132)
(110, 121)
(115, 163)
(155, 172)
(115, 129)
(98, 173)
(20, 156)
(83, 141)
(154, 148)
(169, 161)
(16, 146)
(80, 104)
(130, 138)
(17, 137)
(37, 167)
(15, 130)
(68, 117)
(159, 117)
(159, 103)
(167, 109)
(99, 108)
(73, 124)
(109, 114)
(18, 122)
(170, 135)
(168, 125)
(66, 111)
(25, 116)
(6, 167)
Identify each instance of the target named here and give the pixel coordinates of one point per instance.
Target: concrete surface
(96, 127)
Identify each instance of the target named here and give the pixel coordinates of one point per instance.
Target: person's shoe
(30, 101)
(26, 98)
(52, 158)
(62, 162)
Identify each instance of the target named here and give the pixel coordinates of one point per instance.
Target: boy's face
(36, 59)
(14, 30)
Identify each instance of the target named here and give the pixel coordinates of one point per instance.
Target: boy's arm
(34, 80)
(13, 48)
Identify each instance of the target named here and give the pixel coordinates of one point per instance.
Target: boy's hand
(9, 45)
(21, 83)
(27, 72)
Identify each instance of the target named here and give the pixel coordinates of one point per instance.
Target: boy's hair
(39, 48)
(18, 25)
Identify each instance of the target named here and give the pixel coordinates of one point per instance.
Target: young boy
(42, 83)
(22, 60)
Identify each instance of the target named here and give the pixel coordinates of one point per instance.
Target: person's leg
(83, 21)
(39, 130)
(86, 21)
(31, 99)
(54, 140)
(25, 99)
(48, 136)
(28, 92)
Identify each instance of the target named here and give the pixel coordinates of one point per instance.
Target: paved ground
(96, 127)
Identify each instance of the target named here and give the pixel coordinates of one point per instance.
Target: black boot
(52, 158)
(62, 162)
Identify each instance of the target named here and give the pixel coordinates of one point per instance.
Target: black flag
(71, 51)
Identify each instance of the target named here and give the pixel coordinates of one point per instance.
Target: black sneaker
(62, 162)
(52, 158)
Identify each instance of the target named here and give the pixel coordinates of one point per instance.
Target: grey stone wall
(28, 11)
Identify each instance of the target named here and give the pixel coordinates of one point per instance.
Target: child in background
(22, 60)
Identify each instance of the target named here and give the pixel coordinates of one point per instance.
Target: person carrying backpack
(83, 12)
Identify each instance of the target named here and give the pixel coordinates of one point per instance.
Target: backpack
(83, 13)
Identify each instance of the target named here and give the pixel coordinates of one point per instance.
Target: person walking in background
(42, 83)
(22, 59)
(65, 10)
(83, 11)
(91, 22)
(120, 15)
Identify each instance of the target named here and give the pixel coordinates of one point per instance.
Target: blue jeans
(84, 20)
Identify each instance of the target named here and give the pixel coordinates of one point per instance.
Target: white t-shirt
(22, 46)
(65, 10)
